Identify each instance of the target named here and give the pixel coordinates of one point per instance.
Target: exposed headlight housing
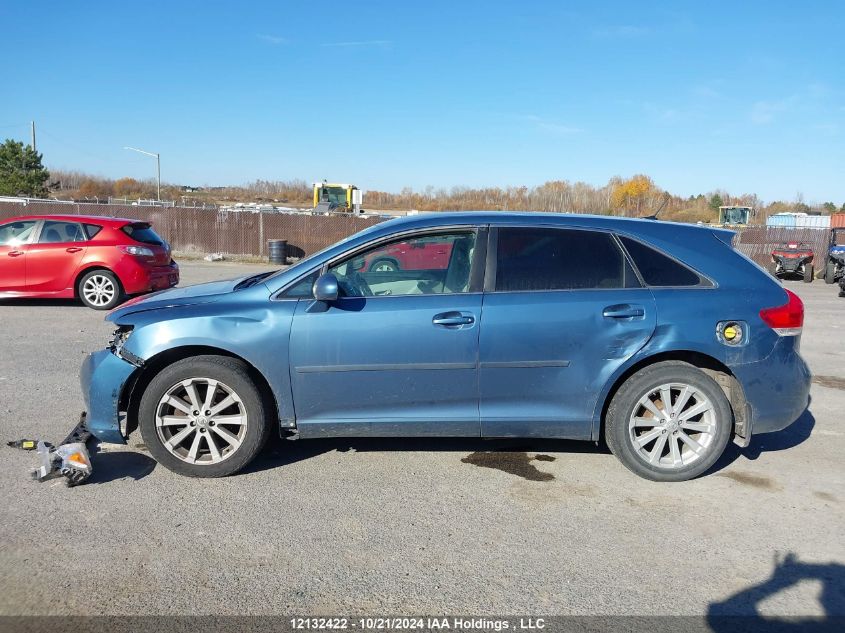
(119, 338)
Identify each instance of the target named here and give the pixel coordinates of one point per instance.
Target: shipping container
(781, 219)
(812, 221)
(837, 220)
(799, 220)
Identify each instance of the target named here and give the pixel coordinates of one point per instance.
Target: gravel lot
(380, 527)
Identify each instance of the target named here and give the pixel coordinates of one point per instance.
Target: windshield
(736, 216)
(336, 195)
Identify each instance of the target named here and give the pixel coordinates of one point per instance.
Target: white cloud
(272, 39)
(622, 30)
(558, 129)
(358, 43)
(765, 112)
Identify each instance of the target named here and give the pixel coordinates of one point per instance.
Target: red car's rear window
(142, 232)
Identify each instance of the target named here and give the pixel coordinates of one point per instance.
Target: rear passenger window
(657, 269)
(54, 232)
(560, 259)
(92, 229)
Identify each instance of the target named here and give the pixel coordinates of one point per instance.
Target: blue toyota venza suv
(658, 337)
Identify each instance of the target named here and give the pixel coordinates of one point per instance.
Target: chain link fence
(758, 242)
(198, 230)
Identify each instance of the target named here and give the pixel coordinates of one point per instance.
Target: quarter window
(54, 232)
(17, 233)
(428, 264)
(92, 230)
(560, 259)
(304, 288)
(658, 269)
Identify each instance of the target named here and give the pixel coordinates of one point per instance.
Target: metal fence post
(261, 233)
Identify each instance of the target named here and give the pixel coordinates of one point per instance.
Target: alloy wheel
(201, 421)
(99, 290)
(672, 426)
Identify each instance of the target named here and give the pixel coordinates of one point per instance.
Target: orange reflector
(79, 458)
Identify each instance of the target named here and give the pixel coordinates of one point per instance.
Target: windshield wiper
(251, 281)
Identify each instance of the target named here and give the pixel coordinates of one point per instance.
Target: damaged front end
(103, 376)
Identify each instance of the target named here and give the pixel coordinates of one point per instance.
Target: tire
(622, 426)
(829, 272)
(809, 271)
(773, 270)
(99, 290)
(236, 442)
(384, 266)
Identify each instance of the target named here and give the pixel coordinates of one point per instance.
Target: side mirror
(325, 288)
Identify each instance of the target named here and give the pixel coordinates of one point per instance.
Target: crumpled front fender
(102, 377)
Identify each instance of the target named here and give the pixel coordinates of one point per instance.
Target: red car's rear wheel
(100, 290)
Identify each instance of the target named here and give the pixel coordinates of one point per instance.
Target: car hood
(190, 295)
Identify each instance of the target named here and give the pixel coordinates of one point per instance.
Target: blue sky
(746, 96)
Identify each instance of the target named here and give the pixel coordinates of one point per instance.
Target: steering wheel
(356, 286)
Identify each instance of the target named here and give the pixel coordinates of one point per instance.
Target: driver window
(428, 264)
(17, 233)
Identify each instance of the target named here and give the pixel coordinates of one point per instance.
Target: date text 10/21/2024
(416, 623)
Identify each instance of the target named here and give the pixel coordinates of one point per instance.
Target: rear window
(559, 259)
(658, 269)
(142, 232)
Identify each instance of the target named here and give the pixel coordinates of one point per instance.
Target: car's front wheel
(669, 422)
(203, 417)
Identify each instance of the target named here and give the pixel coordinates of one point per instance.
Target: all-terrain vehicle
(793, 259)
(834, 269)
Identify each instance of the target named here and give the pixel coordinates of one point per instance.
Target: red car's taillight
(788, 319)
(138, 251)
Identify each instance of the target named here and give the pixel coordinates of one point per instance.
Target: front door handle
(623, 311)
(453, 319)
(73, 249)
(15, 253)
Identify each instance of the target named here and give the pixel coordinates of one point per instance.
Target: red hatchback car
(99, 261)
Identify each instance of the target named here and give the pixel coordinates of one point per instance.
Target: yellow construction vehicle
(337, 197)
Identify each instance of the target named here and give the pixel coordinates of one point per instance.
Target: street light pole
(158, 168)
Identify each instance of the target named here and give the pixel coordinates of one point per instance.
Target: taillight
(138, 251)
(788, 319)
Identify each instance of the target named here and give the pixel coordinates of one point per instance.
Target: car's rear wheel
(384, 266)
(203, 417)
(100, 290)
(809, 271)
(830, 272)
(669, 422)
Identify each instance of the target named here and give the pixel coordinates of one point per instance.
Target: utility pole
(158, 167)
(33, 136)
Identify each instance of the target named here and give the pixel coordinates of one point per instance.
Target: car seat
(52, 236)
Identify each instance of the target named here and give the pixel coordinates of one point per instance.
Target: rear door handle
(15, 253)
(73, 249)
(453, 319)
(623, 311)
